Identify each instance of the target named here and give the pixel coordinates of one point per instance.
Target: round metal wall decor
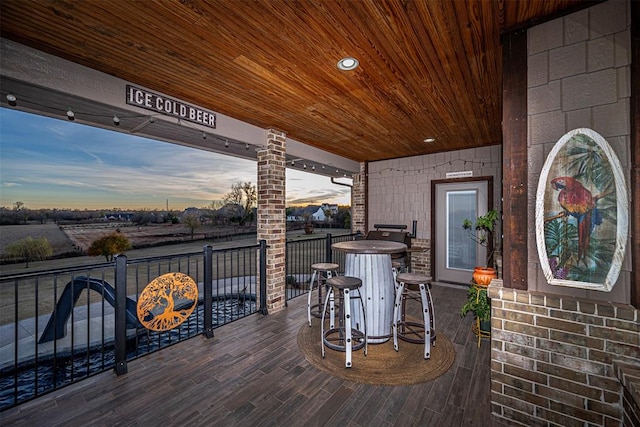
(167, 301)
(582, 213)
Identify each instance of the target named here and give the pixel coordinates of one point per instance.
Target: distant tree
(216, 204)
(241, 200)
(328, 216)
(30, 249)
(343, 217)
(109, 245)
(191, 220)
(143, 217)
(289, 211)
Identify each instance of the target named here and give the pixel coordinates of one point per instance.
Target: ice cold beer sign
(171, 107)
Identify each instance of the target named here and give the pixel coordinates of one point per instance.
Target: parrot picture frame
(581, 213)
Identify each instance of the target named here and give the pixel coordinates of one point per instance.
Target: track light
(204, 135)
(71, 115)
(116, 120)
(11, 99)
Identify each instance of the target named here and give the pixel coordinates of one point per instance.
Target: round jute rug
(382, 365)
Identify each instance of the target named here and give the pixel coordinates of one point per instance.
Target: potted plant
(479, 304)
(482, 234)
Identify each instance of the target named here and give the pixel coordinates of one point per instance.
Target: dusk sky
(51, 163)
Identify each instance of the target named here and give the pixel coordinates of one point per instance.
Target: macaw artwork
(582, 213)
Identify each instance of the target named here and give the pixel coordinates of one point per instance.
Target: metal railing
(301, 254)
(61, 326)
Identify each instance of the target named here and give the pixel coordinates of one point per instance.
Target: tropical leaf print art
(580, 201)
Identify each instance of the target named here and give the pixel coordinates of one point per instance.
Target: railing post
(328, 254)
(121, 315)
(208, 291)
(263, 277)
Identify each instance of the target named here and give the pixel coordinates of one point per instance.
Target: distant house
(119, 216)
(313, 213)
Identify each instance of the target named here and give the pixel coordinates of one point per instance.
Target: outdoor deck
(252, 373)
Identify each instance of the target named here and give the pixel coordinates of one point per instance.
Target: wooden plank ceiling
(427, 68)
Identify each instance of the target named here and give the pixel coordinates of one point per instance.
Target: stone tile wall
(400, 189)
(579, 77)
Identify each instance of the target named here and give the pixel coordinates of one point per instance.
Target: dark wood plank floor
(252, 374)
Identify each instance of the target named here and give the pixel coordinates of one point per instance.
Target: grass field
(21, 300)
(71, 238)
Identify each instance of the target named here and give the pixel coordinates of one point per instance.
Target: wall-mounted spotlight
(71, 115)
(313, 167)
(293, 162)
(304, 165)
(226, 144)
(246, 146)
(11, 99)
(204, 135)
(116, 120)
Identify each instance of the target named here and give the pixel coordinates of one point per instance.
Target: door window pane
(460, 250)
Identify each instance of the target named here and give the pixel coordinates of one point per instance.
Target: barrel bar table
(370, 261)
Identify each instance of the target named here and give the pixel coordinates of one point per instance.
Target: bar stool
(346, 337)
(321, 272)
(411, 331)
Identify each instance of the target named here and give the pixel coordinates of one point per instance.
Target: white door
(456, 254)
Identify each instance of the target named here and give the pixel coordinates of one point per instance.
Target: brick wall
(421, 260)
(358, 202)
(271, 225)
(552, 357)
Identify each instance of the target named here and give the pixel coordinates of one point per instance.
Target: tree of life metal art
(167, 301)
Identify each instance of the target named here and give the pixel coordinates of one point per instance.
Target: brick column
(359, 201)
(271, 216)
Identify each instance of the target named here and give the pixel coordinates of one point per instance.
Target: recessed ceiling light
(429, 140)
(348, 64)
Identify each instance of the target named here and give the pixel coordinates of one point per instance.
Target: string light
(434, 167)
